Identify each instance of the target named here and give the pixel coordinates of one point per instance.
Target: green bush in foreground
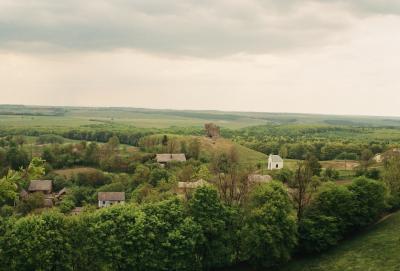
(338, 210)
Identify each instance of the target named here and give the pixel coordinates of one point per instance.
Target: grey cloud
(180, 27)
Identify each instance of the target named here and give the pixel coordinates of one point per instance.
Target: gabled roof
(169, 157)
(62, 192)
(192, 185)
(40, 185)
(112, 196)
(275, 158)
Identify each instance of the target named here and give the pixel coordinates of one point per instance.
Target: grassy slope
(373, 250)
(209, 147)
(246, 155)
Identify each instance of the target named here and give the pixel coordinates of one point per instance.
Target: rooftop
(275, 158)
(40, 185)
(111, 196)
(169, 157)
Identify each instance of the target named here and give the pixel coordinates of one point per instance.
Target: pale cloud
(321, 56)
(180, 27)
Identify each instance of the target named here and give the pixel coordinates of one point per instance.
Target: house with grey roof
(106, 199)
(44, 186)
(275, 162)
(165, 158)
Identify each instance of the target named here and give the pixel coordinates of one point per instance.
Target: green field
(71, 117)
(375, 249)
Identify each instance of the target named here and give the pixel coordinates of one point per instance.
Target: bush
(37, 243)
(30, 203)
(338, 210)
(93, 178)
(370, 200)
(50, 139)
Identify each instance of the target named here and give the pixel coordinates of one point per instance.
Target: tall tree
(302, 187)
(391, 177)
(269, 234)
(217, 248)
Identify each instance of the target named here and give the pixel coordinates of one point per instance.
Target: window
(277, 165)
(104, 202)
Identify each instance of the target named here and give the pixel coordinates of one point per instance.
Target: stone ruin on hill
(212, 130)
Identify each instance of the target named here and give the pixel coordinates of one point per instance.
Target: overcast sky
(317, 56)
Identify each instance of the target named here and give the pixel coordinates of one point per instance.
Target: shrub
(370, 200)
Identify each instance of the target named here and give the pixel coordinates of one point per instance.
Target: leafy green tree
(283, 151)
(303, 187)
(164, 140)
(370, 198)
(270, 231)
(8, 191)
(194, 149)
(318, 232)
(157, 175)
(284, 175)
(329, 217)
(171, 237)
(92, 154)
(113, 143)
(330, 174)
(217, 248)
(66, 205)
(30, 203)
(391, 177)
(312, 163)
(37, 243)
(17, 157)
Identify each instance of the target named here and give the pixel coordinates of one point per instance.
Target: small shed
(275, 162)
(110, 198)
(44, 186)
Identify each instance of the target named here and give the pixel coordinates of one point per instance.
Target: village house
(45, 187)
(165, 158)
(275, 162)
(110, 198)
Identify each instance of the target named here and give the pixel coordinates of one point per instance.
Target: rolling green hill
(209, 147)
(73, 117)
(376, 249)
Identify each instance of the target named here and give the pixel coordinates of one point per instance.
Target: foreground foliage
(374, 249)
